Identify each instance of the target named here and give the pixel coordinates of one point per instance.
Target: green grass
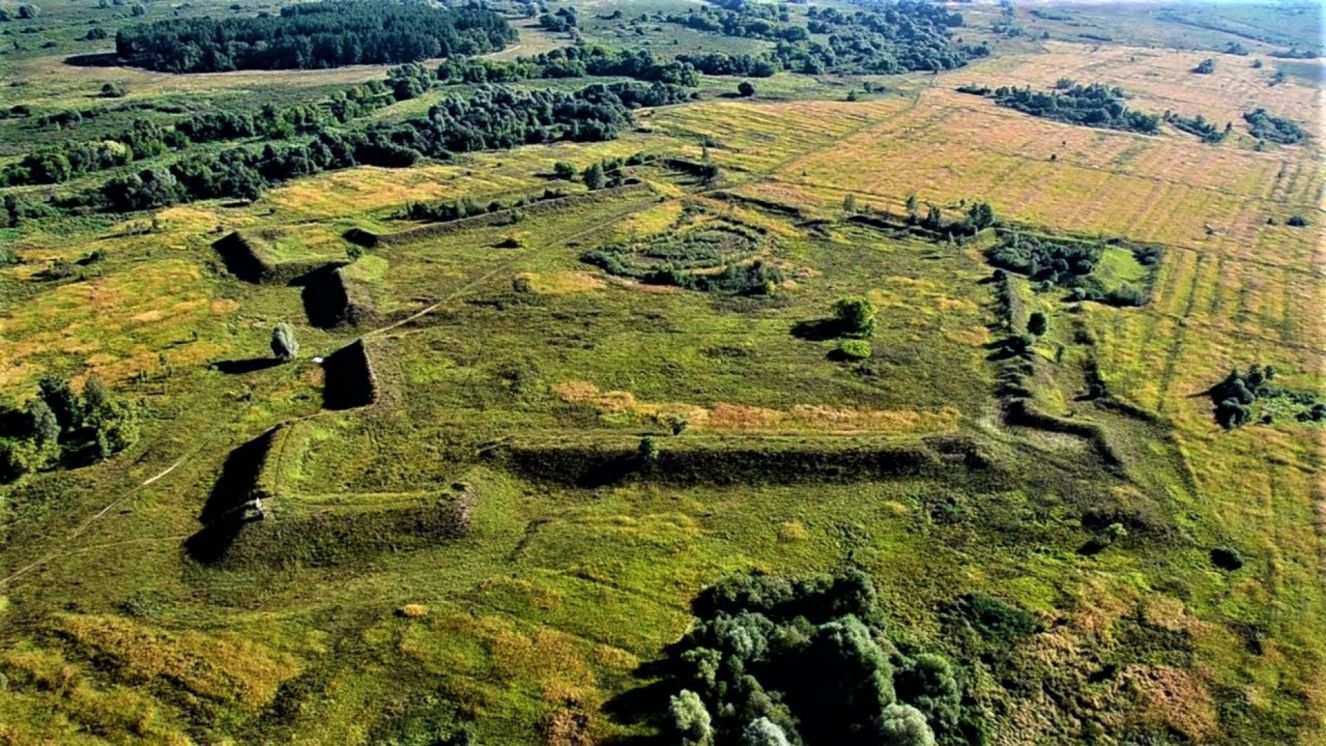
(559, 591)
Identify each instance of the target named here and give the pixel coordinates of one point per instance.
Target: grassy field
(508, 372)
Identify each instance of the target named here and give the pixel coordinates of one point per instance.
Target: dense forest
(1092, 105)
(490, 118)
(312, 35)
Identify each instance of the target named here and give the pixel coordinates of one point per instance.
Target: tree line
(489, 118)
(575, 61)
(313, 35)
(1092, 105)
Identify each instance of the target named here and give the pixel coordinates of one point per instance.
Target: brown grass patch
(226, 670)
(730, 417)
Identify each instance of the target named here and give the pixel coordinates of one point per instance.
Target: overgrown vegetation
(886, 38)
(771, 660)
(1068, 263)
(486, 119)
(1092, 105)
(58, 427)
(1244, 397)
(1266, 126)
(700, 252)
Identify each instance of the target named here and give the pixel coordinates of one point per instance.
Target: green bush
(854, 349)
(855, 315)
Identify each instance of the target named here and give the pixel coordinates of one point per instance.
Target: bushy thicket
(489, 118)
(57, 426)
(1092, 105)
(1234, 396)
(313, 35)
(1066, 263)
(771, 660)
(1266, 126)
(1198, 126)
(571, 62)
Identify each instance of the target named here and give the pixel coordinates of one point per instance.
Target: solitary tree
(594, 178)
(855, 315)
(1037, 324)
(564, 170)
(284, 345)
(746, 89)
(647, 452)
(849, 203)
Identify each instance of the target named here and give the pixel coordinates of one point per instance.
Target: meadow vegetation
(709, 373)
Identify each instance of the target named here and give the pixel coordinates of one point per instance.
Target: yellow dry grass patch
(227, 670)
(1175, 698)
(729, 417)
(953, 147)
(652, 220)
(127, 319)
(758, 136)
(1159, 79)
(561, 283)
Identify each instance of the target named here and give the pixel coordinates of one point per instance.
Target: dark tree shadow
(817, 330)
(240, 367)
(100, 59)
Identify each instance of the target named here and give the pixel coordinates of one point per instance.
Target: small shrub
(1297, 221)
(746, 89)
(856, 315)
(854, 349)
(565, 171)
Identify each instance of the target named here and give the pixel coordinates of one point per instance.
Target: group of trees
(771, 661)
(57, 426)
(1266, 126)
(571, 62)
(1234, 396)
(1092, 105)
(313, 35)
(1067, 263)
(890, 38)
(1198, 126)
(489, 118)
